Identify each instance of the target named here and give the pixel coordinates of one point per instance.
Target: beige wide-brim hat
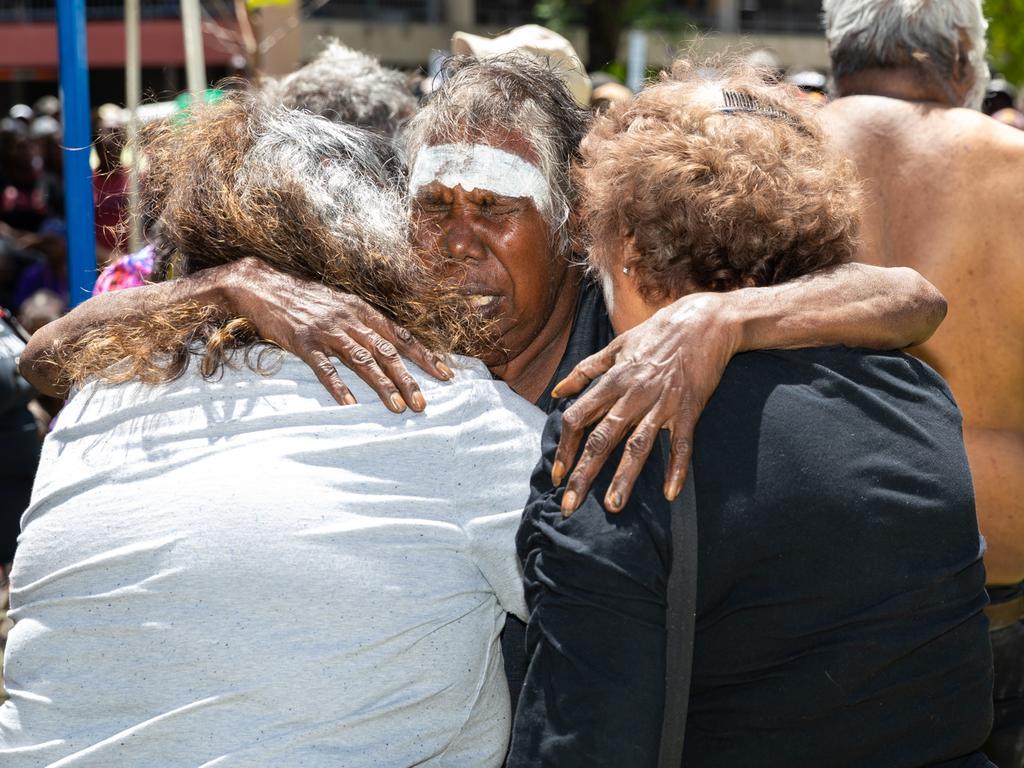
(537, 41)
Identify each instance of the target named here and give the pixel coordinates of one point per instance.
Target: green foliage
(617, 70)
(652, 14)
(559, 15)
(1006, 38)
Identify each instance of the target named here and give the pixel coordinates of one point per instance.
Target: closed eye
(493, 205)
(432, 205)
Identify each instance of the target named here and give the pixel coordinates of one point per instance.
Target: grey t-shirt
(242, 573)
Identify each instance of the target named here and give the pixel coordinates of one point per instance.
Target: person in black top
(19, 436)
(840, 584)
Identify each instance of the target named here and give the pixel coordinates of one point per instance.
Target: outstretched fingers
(586, 371)
(316, 348)
(409, 346)
(328, 376)
(577, 417)
(681, 430)
(638, 449)
(390, 364)
(362, 362)
(602, 440)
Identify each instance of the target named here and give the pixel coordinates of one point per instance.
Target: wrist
(228, 286)
(724, 318)
(753, 318)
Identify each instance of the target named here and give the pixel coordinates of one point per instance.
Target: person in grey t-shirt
(219, 566)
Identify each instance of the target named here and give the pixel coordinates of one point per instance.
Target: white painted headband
(480, 166)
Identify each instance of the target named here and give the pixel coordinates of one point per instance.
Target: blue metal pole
(78, 200)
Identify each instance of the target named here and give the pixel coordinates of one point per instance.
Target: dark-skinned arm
(660, 374)
(305, 318)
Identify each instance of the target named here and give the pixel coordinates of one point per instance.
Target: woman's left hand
(658, 375)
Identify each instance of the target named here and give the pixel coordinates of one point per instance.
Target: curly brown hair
(312, 198)
(715, 200)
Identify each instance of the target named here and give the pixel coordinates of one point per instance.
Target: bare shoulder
(995, 153)
(998, 135)
(921, 125)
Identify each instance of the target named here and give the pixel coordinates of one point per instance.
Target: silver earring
(625, 270)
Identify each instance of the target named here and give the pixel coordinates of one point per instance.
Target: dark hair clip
(744, 102)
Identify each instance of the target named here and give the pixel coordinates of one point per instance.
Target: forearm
(41, 362)
(855, 305)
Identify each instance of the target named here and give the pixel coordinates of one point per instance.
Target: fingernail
(569, 503)
(555, 392)
(672, 489)
(418, 401)
(557, 473)
(348, 399)
(445, 370)
(614, 502)
(397, 403)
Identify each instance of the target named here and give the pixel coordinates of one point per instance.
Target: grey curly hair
(509, 94)
(347, 86)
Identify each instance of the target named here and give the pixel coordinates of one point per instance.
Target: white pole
(636, 60)
(728, 17)
(133, 89)
(195, 62)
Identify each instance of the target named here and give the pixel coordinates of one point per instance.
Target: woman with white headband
(491, 191)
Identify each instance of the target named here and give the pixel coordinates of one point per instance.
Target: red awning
(27, 46)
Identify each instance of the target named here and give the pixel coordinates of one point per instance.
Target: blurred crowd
(33, 253)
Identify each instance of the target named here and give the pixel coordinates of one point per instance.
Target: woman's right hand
(316, 323)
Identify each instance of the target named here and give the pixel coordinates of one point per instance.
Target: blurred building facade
(399, 32)
(28, 48)
(402, 32)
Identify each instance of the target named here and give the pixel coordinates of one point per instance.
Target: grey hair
(508, 95)
(352, 178)
(347, 86)
(315, 198)
(925, 34)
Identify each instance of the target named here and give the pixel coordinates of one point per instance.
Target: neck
(904, 84)
(627, 308)
(529, 372)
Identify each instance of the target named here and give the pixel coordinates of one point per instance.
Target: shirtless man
(943, 187)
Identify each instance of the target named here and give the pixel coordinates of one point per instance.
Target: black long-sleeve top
(840, 586)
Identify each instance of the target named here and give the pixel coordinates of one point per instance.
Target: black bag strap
(680, 620)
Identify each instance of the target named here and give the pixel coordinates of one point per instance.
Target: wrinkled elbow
(930, 305)
(33, 367)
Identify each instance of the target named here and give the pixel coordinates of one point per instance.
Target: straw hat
(537, 41)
